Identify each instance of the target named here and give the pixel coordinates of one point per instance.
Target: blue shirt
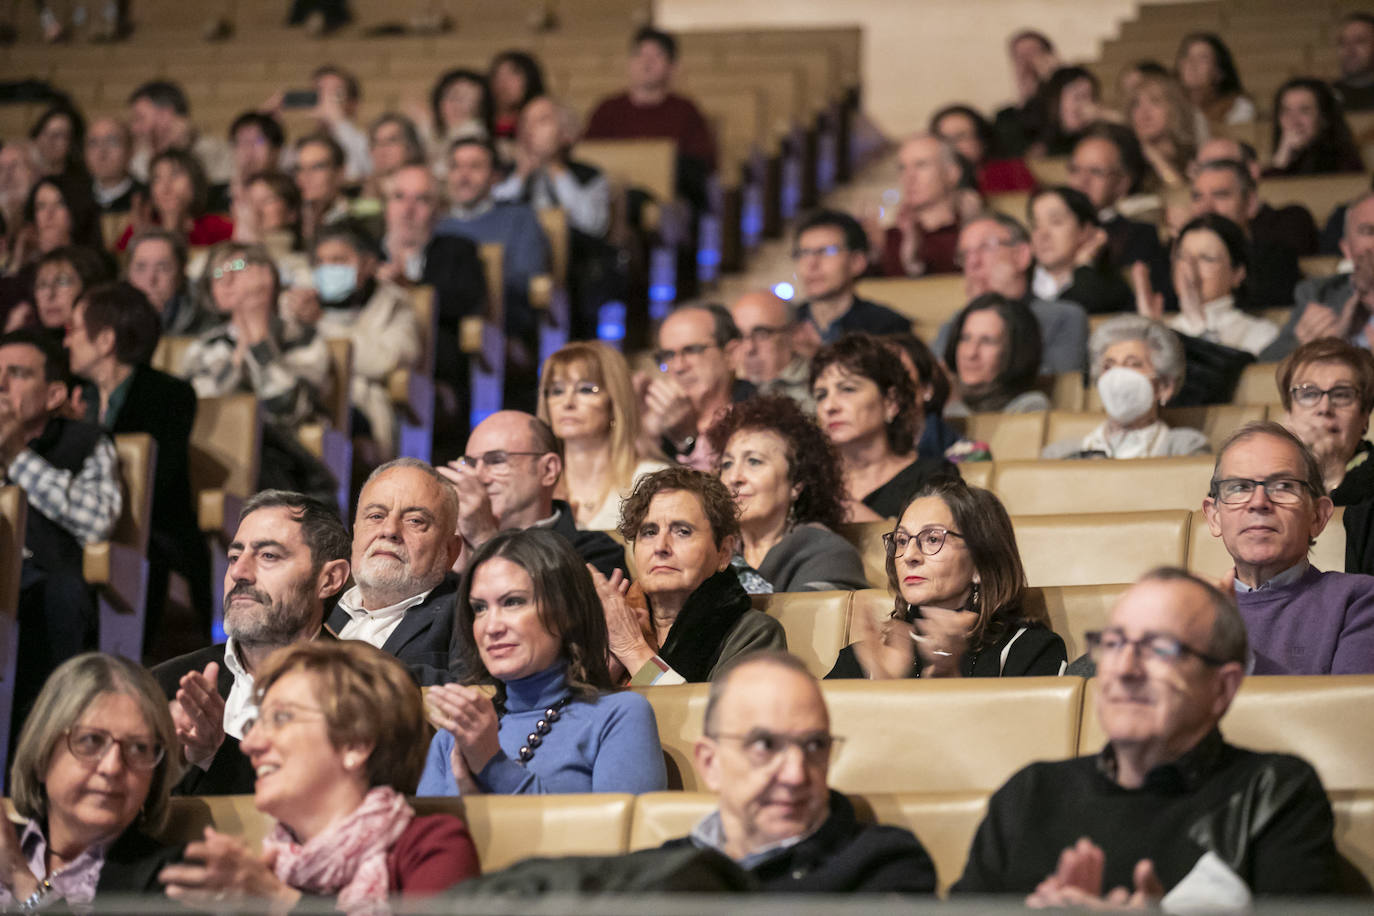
(607, 745)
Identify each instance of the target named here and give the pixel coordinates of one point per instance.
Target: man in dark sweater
(831, 253)
(1301, 620)
(289, 555)
(765, 749)
(1167, 809)
(1227, 188)
(1356, 44)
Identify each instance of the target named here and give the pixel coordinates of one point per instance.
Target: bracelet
(34, 901)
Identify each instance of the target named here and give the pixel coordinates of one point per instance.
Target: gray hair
(1017, 230)
(1229, 641)
(1312, 471)
(948, 155)
(450, 493)
(321, 528)
(69, 692)
(1166, 350)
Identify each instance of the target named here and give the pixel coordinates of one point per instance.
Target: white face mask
(1127, 395)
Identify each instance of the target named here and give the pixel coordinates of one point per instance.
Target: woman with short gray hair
(1137, 366)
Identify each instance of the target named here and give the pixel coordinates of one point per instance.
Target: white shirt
(1227, 325)
(374, 627)
(239, 709)
(105, 196)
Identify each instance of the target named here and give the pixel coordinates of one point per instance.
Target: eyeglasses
(664, 357)
(987, 248)
(272, 719)
(1281, 490)
(229, 267)
(825, 251)
(1311, 395)
(61, 281)
(93, 743)
(765, 748)
(1153, 647)
(763, 334)
(497, 460)
(1093, 171)
(579, 389)
(929, 541)
(1211, 260)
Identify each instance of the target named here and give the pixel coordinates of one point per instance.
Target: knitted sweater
(1321, 624)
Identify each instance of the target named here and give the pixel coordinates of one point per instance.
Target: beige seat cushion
(815, 623)
(1010, 436)
(867, 538)
(1355, 830)
(1045, 487)
(1099, 549)
(508, 828)
(679, 711)
(944, 822)
(1075, 610)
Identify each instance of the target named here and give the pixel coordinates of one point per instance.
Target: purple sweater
(1321, 624)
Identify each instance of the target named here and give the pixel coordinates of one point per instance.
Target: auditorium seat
(1328, 720)
(1010, 436)
(1320, 194)
(679, 711)
(928, 301)
(977, 473)
(1257, 385)
(13, 508)
(1076, 610)
(117, 568)
(412, 389)
(1354, 813)
(1099, 548)
(816, 624)
(867, 538)
(663, 816)
(1045, 487)
(1207, 554)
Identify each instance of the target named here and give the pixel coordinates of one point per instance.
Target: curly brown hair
(716, 501)
(812, 462)
(870, 357)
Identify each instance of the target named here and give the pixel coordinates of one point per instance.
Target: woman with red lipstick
(959, 608)
(337, 742)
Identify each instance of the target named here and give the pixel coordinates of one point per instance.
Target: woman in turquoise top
(529, 618)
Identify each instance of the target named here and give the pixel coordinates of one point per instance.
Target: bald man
(506, 479)
(767, 356)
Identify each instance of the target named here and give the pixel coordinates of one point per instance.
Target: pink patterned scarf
(349, 858)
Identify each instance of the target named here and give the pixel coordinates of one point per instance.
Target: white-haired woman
(1137, 366)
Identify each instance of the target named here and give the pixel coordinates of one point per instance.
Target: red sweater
(675, 118)
(210, 229)
(435, 853)
(938, 250)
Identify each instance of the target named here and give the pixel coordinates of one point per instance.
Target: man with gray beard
(405, 539)
(289, 556)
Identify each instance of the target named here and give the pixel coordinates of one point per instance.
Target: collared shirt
(87, 504)
(1186, 773)
(548, 522)
(239, 708)
(709, 833)
(374, 627)
(106, 196)
(75, 883)
(1287, 577)
(1045, 286)
(480, 208)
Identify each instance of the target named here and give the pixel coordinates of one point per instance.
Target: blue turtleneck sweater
(609, 745)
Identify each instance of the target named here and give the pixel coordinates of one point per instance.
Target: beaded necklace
(542, 728)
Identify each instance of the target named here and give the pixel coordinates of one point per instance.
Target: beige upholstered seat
(1042, 487)
(1099, 549)
(815, 623)
(118, 568)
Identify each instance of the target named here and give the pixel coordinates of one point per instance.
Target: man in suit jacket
(289, 555)
(404, 542)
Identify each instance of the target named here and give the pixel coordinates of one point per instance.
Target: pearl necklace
(542, 728)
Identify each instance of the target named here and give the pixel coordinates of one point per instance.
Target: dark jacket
(716, 623)
(422, 639)
(862, 315)
(1035, 651)
(595, 547)
(844, 856)
(132, 863)
(1129, 241)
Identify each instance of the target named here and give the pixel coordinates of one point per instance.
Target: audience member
(320, 176)
(1210, 262)
(767, 356)
(1226, 188)
(785, 477)
(288, 556)
(696, 350)
(830, 249)
(923, 238)
(974, 140)
(507, 479)
(760, 707)
(1311, 136)
(60, 135)
(476, 216)
(268, 213)
(178, 199)
(337, 96)
(157, 268)
(160, 119)
(1301, 620)
(1339, 305)
(1355, 42)
(937, 438)
(530, 620)
(1071, 258)
(1033, 59)
(60, 277)
(337, 740)
(683, 527)
(1137, 367)
(59, 211)
(1207, 71)
(349, 302)
(993, 351)
(110, 338)
(19, 172)
(866, 405)
(1327, 390)
(257, 140)
(587, 398)
(404, 543)
(393, 140)
(651, 109)
(461, 106)
(515, 77)
(996, 255)
(1289, 225)
(69, 473)
(960, 596)
(1155, 810)
(1167, 126)
(1071, 99)
(89, 815)
(109, 147)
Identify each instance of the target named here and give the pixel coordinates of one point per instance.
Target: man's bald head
(765, 322)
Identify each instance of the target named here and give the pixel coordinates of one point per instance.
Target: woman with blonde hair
(588, 400)
(1170, 129)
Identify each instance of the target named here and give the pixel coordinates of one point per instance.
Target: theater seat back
(816, 624)
(867, 538)
(1354, 832)
(1075, 610)
(508, 828)
(1142, 485)
(663, 816)
(1099, 548)
(944, 822)
(679, 711)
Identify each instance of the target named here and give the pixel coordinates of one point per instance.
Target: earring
(974, 594)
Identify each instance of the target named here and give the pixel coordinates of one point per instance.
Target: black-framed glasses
(824, 251)
(663, 357)
(1281, 489)
(929, 541)
(763, 334)
(577, 389)
(1311, 395)
(93, 743)
(765, 748)
(988, 247)
(496, 460)
(1153, 647)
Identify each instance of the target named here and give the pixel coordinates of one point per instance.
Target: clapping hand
(1147, 302)
(469, 714)
(628, 629)
(1077, 882)
(220, 868)
(942, 640)
(886, 652)
(198, 714)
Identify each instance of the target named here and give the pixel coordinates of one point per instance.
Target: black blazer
(132, 863)
(595, 547)
(230, 772)
(422, 639)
